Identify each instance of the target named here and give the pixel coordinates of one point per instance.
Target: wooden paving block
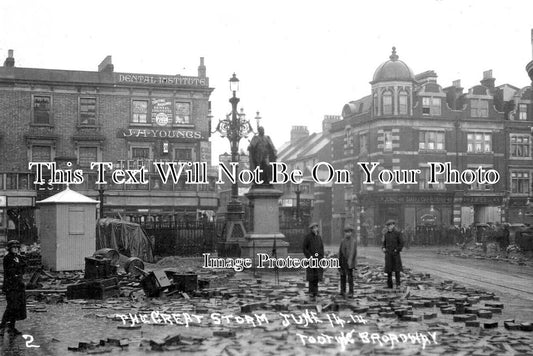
(490, 325)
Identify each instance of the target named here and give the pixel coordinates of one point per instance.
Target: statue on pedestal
(262, 152)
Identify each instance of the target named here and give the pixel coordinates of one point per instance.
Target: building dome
(393, 70)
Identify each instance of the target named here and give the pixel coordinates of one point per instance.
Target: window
(387, 103)
(430, 140)
(403, 102)
(41, 154)
(11, 181)
(479, 108)
(348, 141)
(183, 154)
(140, 111)
(522, 112)
(363, 143)
(520, 182)
(88, 111)
(86, 155)
(376, 104)
(183, 113)
(482, 187)
(431, 106)
(387, 140)
(140, 153)
(423, 182)
(386, 186)
(477, 186)
(24, 181)
(479, 142)
(41, 109)
(520, 146)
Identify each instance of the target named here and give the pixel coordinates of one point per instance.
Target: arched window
(402, 102)
(387, 103)
(376, 106)
(348, 137)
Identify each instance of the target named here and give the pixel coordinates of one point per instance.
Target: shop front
(420, 209)
(17, 208)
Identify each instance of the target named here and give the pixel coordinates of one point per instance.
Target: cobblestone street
(427, 316)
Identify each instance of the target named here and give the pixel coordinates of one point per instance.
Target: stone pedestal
(265, 235)
(234, 231)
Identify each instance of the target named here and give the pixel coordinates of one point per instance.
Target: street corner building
(408, 120)
(73, 118)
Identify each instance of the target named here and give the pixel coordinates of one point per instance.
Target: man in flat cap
(392, 246)
(313, 247)
(347, 260)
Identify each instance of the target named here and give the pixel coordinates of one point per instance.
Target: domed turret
(392, 88)
(393, 70)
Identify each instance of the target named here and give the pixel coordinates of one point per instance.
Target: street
(251, 316)
(514, 284)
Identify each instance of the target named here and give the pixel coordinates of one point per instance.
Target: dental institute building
(129, 119)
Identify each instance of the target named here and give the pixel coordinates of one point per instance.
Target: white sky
(296, 60)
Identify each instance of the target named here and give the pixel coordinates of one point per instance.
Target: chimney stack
(106, 65)
(453, 94)
(488, 80)
(201, 68)
(298, 133)
(10, 60)
(328, 121)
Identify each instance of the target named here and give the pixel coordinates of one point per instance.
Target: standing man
(14, 288)
(313, 247)
(392, 246)
(347, 260)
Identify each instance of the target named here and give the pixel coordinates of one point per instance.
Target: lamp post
(235, 127)
(257, 120)
(101, 191)
(298, 192)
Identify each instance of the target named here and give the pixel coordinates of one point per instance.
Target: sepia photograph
(242, 178)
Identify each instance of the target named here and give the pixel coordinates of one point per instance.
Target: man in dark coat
(392, 246)
(347, 260)
(313, 247)
(14, 288)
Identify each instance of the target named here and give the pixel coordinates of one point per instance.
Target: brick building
(308, 200)
(409, 120)
(77, 117)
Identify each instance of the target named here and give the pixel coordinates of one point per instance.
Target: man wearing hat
(313, 247)
(14, 288)
(392, 246)
(347, 259)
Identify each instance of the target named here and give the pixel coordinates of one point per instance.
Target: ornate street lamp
(235, 127)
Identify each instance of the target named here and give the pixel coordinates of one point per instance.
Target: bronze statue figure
(262, 152)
